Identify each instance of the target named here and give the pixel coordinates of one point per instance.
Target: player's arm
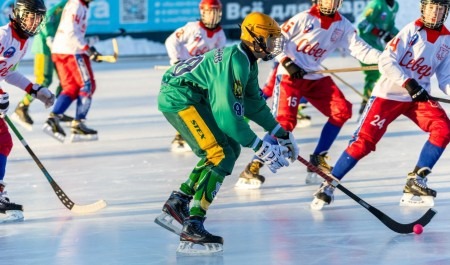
(443, 75)
(175, 44)
(370, 15)
(389, 60)
(357, 46)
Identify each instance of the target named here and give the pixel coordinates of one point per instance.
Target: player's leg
(9, 211)
(431, 118)
(324, 95)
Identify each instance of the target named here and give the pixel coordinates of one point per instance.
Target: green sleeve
(53, 18)
(226, 95)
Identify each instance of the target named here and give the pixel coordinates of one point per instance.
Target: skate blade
(166, 221)
(317, 204)
(48, 130)
(312, 179)
(25, 125)
(186, 248)
(410, 200)
(303, 123)
(247, 184)
(83, 138)
(177, 148)
(12, 216)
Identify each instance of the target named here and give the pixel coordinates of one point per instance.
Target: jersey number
(292, 101)
(378, 122)
(187, 66)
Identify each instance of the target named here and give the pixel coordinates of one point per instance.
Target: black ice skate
(324, 195)
(80, 132)
(416, 191)
(320, 161)
(179, 145)
(52, 128)
(22, 117)
(195, 240)
(12, 210)
(67, 120)
(175, 208)
(250, 177)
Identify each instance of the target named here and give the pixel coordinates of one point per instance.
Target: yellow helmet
(262, 33)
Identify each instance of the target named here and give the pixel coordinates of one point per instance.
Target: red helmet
(210, 13)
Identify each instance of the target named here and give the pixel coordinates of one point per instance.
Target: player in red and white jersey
(311, 36)
(196, 38)
(71, 53)
(419, 51)
(25, 22)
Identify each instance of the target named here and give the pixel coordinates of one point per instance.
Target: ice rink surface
(132, 168)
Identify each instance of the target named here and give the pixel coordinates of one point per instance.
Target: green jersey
(377, 22)
(226, 80)
(52, 19)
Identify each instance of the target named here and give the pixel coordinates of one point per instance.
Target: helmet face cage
(210, 13)
(434, 12)
(211, 17)
(29, 21)
(329, 7)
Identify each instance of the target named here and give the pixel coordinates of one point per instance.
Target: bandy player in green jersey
(205, 98)
(377, 27)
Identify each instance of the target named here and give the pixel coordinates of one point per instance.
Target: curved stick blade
(89, 208)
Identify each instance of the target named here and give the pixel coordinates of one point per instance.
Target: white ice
(132, 168)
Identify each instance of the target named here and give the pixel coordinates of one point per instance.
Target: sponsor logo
(9, 52)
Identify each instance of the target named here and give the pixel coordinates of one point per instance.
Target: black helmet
(28, 15)
(431, 20)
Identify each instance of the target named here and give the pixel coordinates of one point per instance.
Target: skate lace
(326, 188)
(200, 229)
(421, 182)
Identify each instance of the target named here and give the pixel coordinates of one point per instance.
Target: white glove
(4, 102)
(273, 156)
(49, 42)
(291, 145)
(43, 94)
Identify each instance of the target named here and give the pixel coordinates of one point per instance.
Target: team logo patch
(442, 53)
(9, 52)
(237, 89)
(308, 28)
(413, 39)
(337, 33)
(383, 16)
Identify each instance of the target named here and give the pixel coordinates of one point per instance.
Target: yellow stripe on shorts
(203, 135)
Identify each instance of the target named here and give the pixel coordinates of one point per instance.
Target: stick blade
(115, 48)
(409, 228)
(89, 208)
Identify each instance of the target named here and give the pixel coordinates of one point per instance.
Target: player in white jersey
(25, 22)
(310, 37)
(420, 50)
(196, 38)
(71, 53)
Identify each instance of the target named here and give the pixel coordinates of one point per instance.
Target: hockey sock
(344, 164)
(208, 187)
(2, 166)
(62, 104)
(327, 137)
(188, 187)
(429, 155)
(83, 106)
(27, 99)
